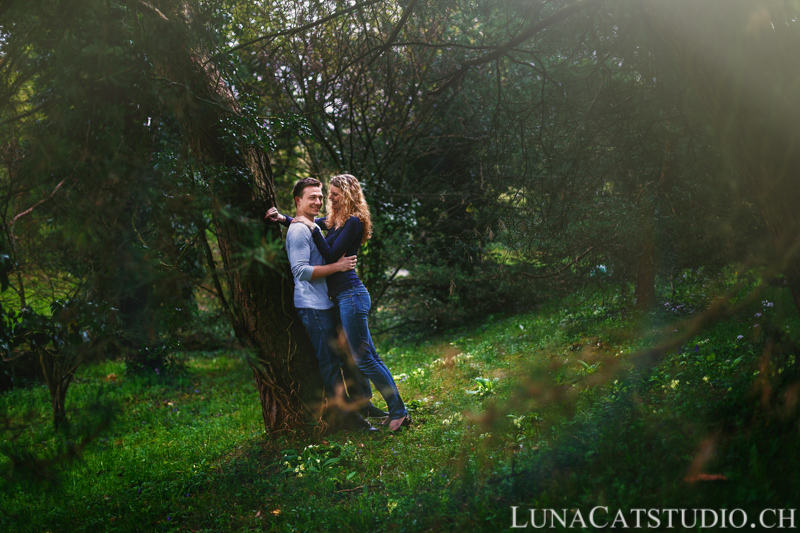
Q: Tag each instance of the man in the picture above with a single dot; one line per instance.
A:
(311, 301)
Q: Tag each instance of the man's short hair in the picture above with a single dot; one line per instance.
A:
(301, 184)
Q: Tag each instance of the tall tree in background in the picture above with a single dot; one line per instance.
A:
(612, 162)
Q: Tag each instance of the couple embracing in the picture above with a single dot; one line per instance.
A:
(328, 292)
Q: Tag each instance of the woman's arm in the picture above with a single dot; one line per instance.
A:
(274, 216)
(350, 235)
(321, 222)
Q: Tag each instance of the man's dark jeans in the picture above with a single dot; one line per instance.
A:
(321, 327)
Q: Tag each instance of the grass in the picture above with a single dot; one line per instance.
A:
(550, 409)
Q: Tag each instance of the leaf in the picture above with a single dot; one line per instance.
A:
(331, 461)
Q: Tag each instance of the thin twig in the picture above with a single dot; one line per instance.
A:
(531, 276)
(37, 204)
(296, 30)
(357, 488)
(503, 49)
(403, 19)
(26, 113)
(212, 269)
(155, 9)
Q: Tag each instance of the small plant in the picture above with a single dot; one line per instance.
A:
(317, 459)
(157, 359)
(451, 420)
(486, 387)
(589, 369)
(417, 404)
(74, 332)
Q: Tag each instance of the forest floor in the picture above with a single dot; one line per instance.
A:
(578, 406)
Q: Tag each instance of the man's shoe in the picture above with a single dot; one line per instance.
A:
(370, 411)
(359, 423)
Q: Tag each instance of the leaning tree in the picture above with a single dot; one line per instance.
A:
(132, 141)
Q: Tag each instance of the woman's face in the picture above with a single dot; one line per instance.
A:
(335, 197)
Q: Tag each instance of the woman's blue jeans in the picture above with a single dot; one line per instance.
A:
(354, 305)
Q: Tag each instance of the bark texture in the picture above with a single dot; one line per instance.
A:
(239, 174)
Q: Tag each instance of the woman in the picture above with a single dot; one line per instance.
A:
(349, 225)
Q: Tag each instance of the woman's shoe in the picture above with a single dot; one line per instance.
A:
(398, 424)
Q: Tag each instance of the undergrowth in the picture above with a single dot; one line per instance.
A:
(576, 405)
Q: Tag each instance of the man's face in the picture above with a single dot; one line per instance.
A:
(311, 201)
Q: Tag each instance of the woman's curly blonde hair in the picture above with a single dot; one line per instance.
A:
(351, 203)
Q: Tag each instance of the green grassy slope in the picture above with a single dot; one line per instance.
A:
(552, 409)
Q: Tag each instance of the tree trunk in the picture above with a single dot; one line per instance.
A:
(58, 397)
(260, 296)
(57, 384)
(646, 275)
(741, 57)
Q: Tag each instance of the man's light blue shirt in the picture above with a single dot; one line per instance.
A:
(303, 257)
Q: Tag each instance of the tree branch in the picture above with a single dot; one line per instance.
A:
(154, 9)
(37, 204)
(26, 113)
(212, 269)
(553, 274)
(403, 19)
(503, 49)
(296, 30)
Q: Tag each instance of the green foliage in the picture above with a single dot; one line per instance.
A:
(165, 443)
(159, 359)
(73, 333)
(323, 460)
(187, 451)
(68, 326)
(112, 218)
(486, 387)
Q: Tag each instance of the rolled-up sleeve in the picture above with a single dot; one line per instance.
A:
(298, 247)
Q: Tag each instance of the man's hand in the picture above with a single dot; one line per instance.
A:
(273, 215)
(346, 263)
(303, 220)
